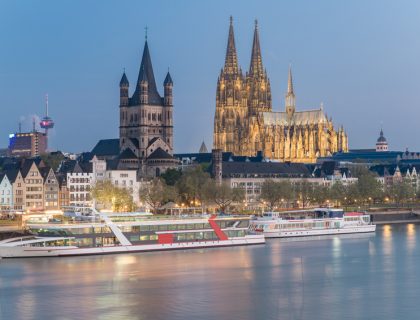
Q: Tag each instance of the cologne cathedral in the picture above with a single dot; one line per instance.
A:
(244, 122)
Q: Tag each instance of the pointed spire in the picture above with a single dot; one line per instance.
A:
(124, 80)
(168, 79)
(203, 148)
(146, 74)
(290, 82)
(231, 60)
(256, 66)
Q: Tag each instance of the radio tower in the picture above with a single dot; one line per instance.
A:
(46, 122)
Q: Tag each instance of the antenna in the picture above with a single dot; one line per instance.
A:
(46, 104)
(20, 127)
(33, 124)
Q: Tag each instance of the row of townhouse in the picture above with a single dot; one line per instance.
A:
(32, 186)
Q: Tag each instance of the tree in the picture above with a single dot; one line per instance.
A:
(53, 160)
(113, 197)
(190, 185)
(171, 176)
(156, 193)
(368, 188)
(304, 192)
(274, 192)
(401, 191)
(223, 195)
(338, 192)
(320, 194)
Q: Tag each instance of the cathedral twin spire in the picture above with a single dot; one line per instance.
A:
(231, 61)
(256, 66)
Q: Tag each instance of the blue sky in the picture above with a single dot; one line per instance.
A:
(360, 58)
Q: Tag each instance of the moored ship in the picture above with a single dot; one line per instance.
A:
(103, 233)
(312, 222)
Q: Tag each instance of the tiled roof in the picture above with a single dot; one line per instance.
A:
(107, 147)
(127, 154)
(265, 169)
(159, 153)
(146, 74)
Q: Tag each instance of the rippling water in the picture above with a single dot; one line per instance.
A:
(342, 277)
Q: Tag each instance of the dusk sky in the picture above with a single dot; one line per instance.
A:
(360, 58)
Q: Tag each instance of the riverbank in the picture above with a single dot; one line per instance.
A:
(394, 217)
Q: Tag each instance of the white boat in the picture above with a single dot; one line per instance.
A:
(104, 233)
(313, 222)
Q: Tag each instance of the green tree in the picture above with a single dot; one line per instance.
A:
(156, 193)
(190, 186)
(113, 197)
(52, 160)
(171, 176)
(369, 188)
(338, 192)
(401, 191)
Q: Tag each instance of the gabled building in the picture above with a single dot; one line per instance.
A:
(51, 189)
(34, 184)
(79, 177)
(6, 193)
(18, 189)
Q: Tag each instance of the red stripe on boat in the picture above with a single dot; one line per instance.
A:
(220, 234)
(164, 238)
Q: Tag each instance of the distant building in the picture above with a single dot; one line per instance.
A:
(245, 123)
(381, 143)
(79, 177)
(6, 193)
(203, 148)
(28, 144)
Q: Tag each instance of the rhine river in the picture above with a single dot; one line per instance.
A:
(343, 277)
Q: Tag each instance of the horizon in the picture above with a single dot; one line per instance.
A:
(357, 69)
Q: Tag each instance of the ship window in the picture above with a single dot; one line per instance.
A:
(153, 237)
(144, 238)
(172, 227)
(154, 228)
(190, 226)
(180, 236)
(198, 226)
(163, 227)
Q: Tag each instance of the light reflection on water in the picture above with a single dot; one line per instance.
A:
(345, 277)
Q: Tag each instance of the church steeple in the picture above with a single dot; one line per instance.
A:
(256, 67)
(146, 75)
(290, 95)
(231, 60)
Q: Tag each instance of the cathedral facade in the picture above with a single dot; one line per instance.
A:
(245, 123)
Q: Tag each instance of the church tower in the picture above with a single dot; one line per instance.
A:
(258, 84)
(231, 108)
(146, 118)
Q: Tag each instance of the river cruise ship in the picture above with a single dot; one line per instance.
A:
(104, 233)
(313, 222)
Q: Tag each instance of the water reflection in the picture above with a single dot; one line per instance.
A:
(370, 277)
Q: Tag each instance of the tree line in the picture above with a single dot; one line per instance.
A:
(195, 188)
(191, 188)
(366, 191)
